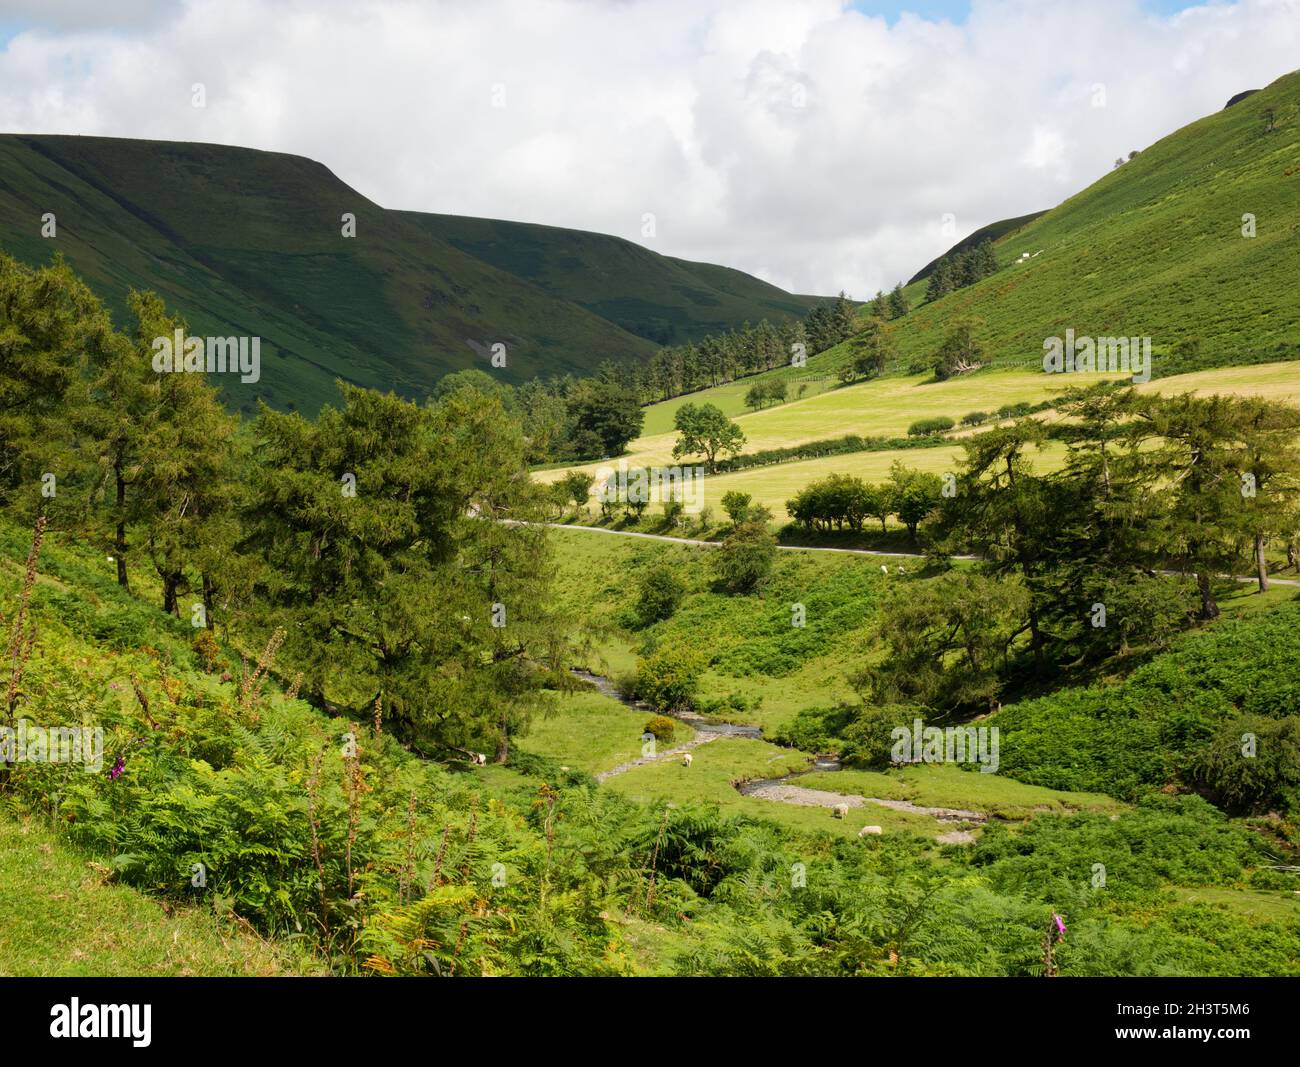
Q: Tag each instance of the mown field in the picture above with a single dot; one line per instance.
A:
(886, 407)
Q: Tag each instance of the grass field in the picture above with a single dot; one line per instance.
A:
(593, 733)
(887, 406)
(62, 918)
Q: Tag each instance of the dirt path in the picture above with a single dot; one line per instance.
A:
(822, 798)
(702, 737)
(715, 544)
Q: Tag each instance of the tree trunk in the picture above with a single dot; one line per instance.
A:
(1209, 609)
(209, 595)
(119, 541)
(169, 594)
(1261, 565)
(503, 745)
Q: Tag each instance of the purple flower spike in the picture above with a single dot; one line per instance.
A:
(117, 768)
(1060, 923)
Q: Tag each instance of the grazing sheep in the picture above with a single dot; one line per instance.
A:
(866, 830)
(840, 811)
(478, 759)
(686, 759)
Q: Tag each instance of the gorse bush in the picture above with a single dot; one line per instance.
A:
(661, 727)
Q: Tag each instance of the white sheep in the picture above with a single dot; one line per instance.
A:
(866, 830)
(686, 759)
(840, 811)
(478, 759)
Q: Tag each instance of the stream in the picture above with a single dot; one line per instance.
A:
(781, 789)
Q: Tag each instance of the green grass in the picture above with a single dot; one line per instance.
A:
(61, 918)
(591, 732)
(947, 786)
(719, 764)
(1275, 906)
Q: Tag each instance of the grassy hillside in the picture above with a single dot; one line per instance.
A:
(64, 917)
(991, 232)
(1190, 890)
(249, 243)
(1156, 249)
(665, 300)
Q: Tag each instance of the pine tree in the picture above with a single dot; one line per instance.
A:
(842, 318)
(940, 281)
(898, 302)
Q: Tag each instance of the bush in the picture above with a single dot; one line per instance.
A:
(746, 557)
(660, 592)
(661, 727)
(206, 650)
(668, 679)
(926, 427)
(817, 729)
(736, 505)
(1252, 764)
(869, 740)
(975, 418)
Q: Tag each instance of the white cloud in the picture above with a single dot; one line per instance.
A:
(805, 142)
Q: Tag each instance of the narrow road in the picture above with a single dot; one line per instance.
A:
(844, 551)
(716, 544)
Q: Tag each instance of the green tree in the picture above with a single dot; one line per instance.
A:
(745, 557)
(659, 592)
(577, 487)
(1195, 517)
(898, 306)
(913, 495)
(961, 351)
(50, 322)
(706, 431)
(604, 412)
(1269, 472)
(391, 571)
(940, 281)
(947, 640)
(736, 505)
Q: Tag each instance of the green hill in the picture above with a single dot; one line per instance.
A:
(665, 300)
(1154, 249)
(249, 242)
(991, 232)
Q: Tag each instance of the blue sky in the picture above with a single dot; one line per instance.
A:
(957, 10)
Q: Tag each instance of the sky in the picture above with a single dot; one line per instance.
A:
(822, 145)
